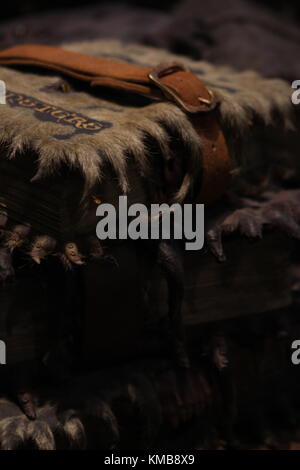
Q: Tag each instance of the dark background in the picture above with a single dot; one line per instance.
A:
(15, 8)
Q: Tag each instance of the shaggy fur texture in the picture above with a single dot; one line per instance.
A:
(103, 410)
(245, 97)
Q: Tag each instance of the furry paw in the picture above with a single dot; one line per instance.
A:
(246, 222)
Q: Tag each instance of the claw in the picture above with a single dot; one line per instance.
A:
(279, 209)
(245, 221)
(214, 239)
(219, 353)
(26, 402)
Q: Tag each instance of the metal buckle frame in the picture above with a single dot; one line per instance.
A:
(165, 69)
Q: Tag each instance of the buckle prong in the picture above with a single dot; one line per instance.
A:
(166, 69)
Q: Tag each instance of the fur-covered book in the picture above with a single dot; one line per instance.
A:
(66, 148)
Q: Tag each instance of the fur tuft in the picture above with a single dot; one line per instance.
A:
(244, 98)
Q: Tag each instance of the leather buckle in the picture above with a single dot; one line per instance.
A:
(205, 105)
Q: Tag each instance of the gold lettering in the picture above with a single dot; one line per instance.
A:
(59, 114)
(45, 108)
(18, 98)
(27, 103)
(93, 126)
(77, 121)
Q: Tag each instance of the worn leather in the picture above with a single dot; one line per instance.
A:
(135, 78)
(216, 163)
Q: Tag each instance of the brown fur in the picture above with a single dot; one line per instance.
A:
(243, 97)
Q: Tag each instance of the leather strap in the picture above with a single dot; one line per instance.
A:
(172, 82)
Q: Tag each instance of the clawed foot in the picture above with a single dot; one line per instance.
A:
(26, 402)
(244, 221)
(219, 353)
(278, 210)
